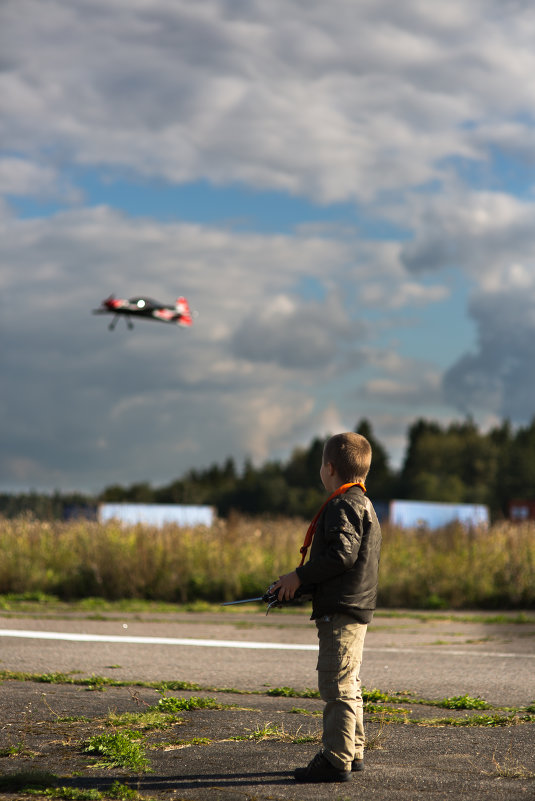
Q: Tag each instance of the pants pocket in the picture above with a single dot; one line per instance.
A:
(340, 643)
(335, 652)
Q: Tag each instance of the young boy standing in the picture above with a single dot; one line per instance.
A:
(343, 571)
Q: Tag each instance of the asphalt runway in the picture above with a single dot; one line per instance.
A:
(430, 657)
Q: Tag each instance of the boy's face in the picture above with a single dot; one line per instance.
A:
(327, 475)
(322, 473)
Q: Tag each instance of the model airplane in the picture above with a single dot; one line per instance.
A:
(145, 307)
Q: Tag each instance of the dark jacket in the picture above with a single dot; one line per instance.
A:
(344, 558)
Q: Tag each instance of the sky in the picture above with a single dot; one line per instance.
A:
(344, 192)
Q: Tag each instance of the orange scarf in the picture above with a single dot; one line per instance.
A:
(312, 527)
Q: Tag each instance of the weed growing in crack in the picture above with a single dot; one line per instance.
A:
(173, 704)
(463, 702)
(513, 719)
(374, 740)
(511, 768)
(166, 746)
(167, 686)
(375, 696)
(18, 749)
(118, 749)
(71, 793)
(122, 792)
(508, 767)
(146, 721)
(289, 692)
(271, 731)
(387, 715)
(297, 710)
(300, 739)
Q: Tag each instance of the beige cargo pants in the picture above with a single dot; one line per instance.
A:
(341, 640)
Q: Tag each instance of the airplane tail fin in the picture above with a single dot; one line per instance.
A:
(182, 307)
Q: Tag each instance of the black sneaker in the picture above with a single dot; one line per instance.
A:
(321, 770)
(357, 764)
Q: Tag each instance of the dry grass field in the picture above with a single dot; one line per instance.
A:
(450, 568)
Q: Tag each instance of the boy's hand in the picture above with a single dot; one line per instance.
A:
(287, 586)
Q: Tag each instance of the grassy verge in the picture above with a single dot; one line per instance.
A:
(373, 699)
(451, 568)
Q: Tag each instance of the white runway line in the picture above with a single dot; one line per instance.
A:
(277, 646)
(125, 638)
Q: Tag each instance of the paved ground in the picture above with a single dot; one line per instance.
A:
(405, 760)
(432, 655)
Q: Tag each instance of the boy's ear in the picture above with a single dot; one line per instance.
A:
(330, 469)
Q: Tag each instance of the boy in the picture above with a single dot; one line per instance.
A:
(343, 571)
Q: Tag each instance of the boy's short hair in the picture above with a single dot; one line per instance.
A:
(350, 454)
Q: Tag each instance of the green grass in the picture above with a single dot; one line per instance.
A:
(13, 750)
(167, 686)
(297, 710)
(483, 618)
(375, 696)
(14, 605)
(173, 705)
(463, 702)
(289, 692)
(368, 696)
(98, 682)
(392, 711)
(170, 705)
(71, 793)
(48, 785)
(117, 791)
(123, 747)
(118, 749)
(492, 720)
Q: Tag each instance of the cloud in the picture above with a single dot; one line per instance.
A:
(426, 387)
(498, 377)
(410, 293)
(293, 335)
(21, 177)
(481, 233)
(490, 237)
(85, 402)
(256, 372)
(402, 110)
(327, 102)
(402, 378)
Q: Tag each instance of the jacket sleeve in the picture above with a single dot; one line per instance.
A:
(342, 535)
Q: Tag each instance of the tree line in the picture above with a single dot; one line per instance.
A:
(456, 463)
